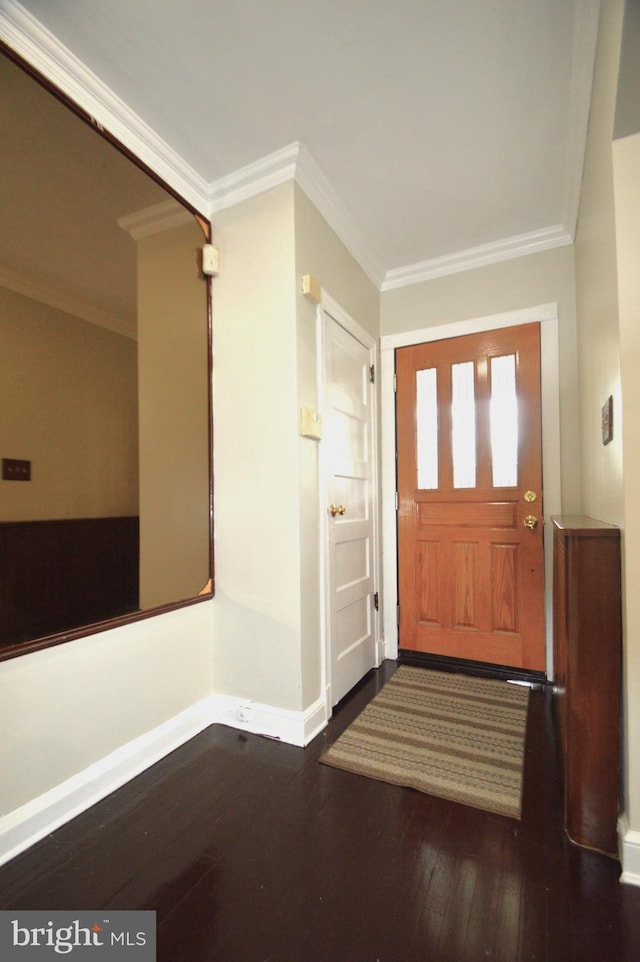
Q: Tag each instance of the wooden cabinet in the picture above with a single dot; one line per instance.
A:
(587, 675)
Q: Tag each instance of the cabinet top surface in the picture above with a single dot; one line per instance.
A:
(581, 524)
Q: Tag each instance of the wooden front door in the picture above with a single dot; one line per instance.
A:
(470, 531)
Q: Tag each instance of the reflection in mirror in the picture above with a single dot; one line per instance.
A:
(104, 380)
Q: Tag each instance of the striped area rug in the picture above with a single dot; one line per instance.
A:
(454, 736)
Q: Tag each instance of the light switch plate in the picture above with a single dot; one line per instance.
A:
(310, 424)
(15, 469)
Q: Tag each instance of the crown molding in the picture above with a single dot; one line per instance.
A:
(20, 30)
(155, 219)
(586, 18)
(61, 301)
(503, 250)
(253, 179)
(295, 162)
(318, 189)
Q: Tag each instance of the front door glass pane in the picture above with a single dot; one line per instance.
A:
(427, 428)
(504, 422)
(463, 424)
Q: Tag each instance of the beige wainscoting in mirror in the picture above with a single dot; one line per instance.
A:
(105, 358)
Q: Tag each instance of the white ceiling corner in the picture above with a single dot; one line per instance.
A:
(40, 48)
(585, 36)
(327, 175)
(295, 162)
(320, 192)
(255, 178)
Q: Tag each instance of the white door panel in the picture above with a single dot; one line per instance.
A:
(348, 440)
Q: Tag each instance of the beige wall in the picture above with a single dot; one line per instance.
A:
(608, 298)
(256, 503)
(267, 620)
(626, 161)
(68, 707)
(68, 403)
(173, 401)
(596, 285)
(320, 253)
(511, 285)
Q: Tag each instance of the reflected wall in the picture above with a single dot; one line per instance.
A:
(105, 365)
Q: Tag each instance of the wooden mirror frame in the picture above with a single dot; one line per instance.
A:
(37, 644)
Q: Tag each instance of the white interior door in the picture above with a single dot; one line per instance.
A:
(349, 453)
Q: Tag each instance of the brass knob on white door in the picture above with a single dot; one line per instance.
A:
(335, 509)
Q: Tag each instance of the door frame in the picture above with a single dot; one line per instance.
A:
(547, 315)
(329, 306)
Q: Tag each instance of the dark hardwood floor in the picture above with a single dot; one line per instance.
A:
(250, 851)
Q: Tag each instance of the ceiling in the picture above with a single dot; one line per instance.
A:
(444, 133)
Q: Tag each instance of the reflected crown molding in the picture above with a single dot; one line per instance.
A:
(155, 220)
(61, 301)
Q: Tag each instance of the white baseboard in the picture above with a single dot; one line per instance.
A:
(629, 846)
(293, 727)
(42, 815)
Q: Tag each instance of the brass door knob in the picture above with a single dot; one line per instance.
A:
(531, 521)
(335, 509)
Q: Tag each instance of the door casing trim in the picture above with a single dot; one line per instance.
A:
(547, 315)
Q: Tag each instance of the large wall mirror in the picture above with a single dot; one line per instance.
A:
(105, 364)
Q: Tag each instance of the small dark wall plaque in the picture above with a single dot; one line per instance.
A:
(607, 420)
(14, 469)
